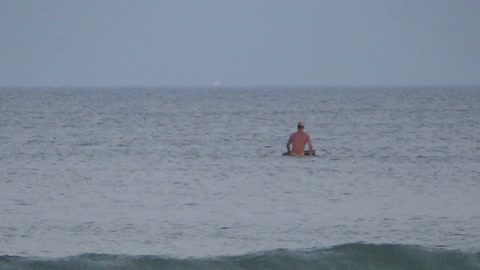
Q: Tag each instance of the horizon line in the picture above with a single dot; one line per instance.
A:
(242, 86)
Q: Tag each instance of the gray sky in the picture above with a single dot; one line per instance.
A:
(239, 42)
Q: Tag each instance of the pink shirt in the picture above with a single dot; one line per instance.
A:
(299, 139)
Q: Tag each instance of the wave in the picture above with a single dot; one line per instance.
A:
(356, 256)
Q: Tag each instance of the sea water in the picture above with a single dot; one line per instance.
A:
(193, 178)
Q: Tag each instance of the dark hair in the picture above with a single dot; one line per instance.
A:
(300, 126)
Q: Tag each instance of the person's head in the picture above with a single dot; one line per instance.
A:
(300, 125)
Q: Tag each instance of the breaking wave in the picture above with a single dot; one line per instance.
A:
(348, 256)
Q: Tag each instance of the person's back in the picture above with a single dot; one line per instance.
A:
(298, 140)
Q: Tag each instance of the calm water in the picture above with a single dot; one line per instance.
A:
(199, 172)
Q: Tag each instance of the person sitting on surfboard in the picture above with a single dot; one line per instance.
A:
(298, 140)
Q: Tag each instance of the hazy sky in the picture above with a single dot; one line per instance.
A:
(239, 42)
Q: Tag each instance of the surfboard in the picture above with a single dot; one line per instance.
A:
(305, 153)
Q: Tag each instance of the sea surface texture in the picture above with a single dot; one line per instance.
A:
(194, 178)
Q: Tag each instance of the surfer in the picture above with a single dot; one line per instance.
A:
(298, 140)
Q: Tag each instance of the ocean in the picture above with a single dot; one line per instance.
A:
(194, 178)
